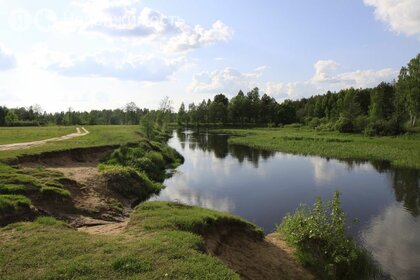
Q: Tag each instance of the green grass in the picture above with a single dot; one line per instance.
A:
(155, 245)
(100, 135)
(11, 135)
(20, 188)
(12, 203)
(402, 151)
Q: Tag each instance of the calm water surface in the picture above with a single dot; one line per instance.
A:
(263, 186)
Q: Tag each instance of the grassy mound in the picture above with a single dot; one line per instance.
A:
(20, 189)
(157, 246)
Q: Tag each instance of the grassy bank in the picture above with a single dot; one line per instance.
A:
(11, 135)
(402, 151)
(100, 135)
(162, 241)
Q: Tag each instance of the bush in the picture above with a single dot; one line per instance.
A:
(318, 233)
(344, 125)
(314, 122)
(156, 158)
(360, 123)
(382, 128)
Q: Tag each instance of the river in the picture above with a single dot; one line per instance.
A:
(263, 187)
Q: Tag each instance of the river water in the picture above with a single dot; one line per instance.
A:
(263, 187)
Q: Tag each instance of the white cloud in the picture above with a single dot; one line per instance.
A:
(323, 70)
(123, 20)
(117, 64)
(228, 81)
(326, 78)
(403, 16)
(7, 59)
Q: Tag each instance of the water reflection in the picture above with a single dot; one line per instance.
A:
(393, 238)
(263, 186)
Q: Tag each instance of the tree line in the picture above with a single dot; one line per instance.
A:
(35, 116)
(386, 109)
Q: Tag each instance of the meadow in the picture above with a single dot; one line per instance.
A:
(162, 241)
(11, 135)
(400, 151)
(100, 135)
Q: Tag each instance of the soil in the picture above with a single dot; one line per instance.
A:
(253, 258)
(93, 207)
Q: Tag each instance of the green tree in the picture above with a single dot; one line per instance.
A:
(181, 117)
(147, 125)
(408, 87)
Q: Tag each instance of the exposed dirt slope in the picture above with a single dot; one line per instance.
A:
(252, 258)
(93, 206)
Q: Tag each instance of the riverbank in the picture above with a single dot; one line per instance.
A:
(67, 214)
(400, 151)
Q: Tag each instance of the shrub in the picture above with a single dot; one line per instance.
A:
(382, 128)
(156, 158)
(318, 233)
(314, 122)
(344, 125)
(360, 123)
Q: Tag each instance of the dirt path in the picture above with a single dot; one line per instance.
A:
(20, 146)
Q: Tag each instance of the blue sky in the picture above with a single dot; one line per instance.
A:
(105, 53)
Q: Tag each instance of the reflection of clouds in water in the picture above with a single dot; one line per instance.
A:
(324, 171)
(394, 240)
(327, 171)
(188, 196)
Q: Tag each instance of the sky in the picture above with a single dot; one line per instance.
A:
(102, 54)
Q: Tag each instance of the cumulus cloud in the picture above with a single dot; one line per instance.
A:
(228, 80)
(402, 16)
(326, 78)
(7, 59)
(122, 19)
(115, 64)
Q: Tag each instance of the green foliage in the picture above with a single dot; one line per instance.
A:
(344, 125)
(147, 125)
(319, 234)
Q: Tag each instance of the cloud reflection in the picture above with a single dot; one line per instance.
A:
(393, 237)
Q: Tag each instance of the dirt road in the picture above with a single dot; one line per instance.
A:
(20, 146)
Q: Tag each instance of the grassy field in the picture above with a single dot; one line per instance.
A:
(402, 151)
(99, 136)
(11, 135)
(162, 241)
